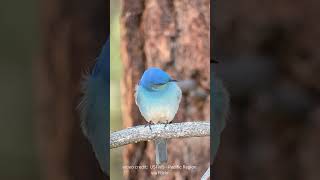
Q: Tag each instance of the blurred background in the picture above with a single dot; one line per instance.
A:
(46, 49)
(115, 94)
(18, 44)
(269, 61)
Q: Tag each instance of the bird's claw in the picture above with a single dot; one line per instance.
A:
(167, 123)
(148, 124)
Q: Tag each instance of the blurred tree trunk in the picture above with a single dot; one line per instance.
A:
(173, 35)
(72, 34)
(271, 68)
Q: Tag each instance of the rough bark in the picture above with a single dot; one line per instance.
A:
(72, 33)
(173, 35)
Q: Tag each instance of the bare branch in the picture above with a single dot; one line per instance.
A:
(169, 131)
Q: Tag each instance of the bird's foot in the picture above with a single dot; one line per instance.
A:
(148, 124)
(167, 123)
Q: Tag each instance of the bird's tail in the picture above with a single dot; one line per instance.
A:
(161, 151)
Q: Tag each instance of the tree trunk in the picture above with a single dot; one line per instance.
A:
(72, 34)
(173, 35)
(270, 63)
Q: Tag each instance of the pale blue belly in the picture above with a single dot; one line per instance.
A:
(159, 106)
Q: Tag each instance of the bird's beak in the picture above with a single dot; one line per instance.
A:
(173, 80)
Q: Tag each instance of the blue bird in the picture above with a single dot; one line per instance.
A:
(94, 107)
(158, 97)
(220, 109)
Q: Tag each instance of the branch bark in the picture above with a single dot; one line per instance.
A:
(145, 133)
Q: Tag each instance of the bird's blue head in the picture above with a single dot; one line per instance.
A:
(154, 79)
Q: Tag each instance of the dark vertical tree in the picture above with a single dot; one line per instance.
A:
(173, 35)
(72, 34)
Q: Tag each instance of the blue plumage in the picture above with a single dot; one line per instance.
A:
(95, 107)
(154, 76)
(219, 109)
(158, 98)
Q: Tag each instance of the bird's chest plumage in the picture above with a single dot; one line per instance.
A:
(158, 106)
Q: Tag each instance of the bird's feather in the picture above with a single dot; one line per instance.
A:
(94, 107)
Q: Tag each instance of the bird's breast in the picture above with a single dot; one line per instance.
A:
(158, 106)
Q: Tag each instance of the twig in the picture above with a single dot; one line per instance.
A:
(169, 131)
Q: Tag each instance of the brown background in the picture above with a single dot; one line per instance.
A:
(72, 34)
(269, 53)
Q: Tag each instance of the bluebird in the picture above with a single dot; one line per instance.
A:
(158, 97)
(219, 109)
(94, 107)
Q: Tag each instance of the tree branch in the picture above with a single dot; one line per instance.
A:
(169, 131)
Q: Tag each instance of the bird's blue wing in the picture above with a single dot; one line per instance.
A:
(95, 107)
(219, 109)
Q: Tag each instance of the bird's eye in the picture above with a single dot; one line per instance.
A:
(158, 86)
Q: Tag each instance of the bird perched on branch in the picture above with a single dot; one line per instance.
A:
(94, 107)
(158, 97)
